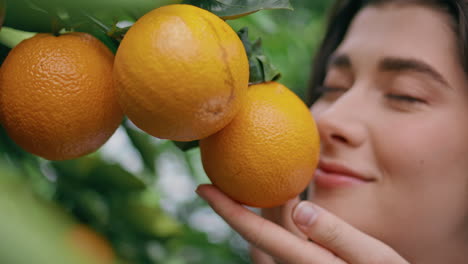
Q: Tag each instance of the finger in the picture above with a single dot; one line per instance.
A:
(259, 257)
(341, 238)
(271, 238)
(281, 215)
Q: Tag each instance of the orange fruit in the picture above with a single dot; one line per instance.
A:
(91, 245)
(268, 153)
(57, 98)
(181, 73)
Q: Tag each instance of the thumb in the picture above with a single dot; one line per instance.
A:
(281, 215)
(340, 237)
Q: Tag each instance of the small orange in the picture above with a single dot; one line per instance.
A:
(181, 73)
(91, 245)
(57, 98)
(268, 153)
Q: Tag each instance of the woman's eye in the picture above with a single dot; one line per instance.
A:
(405, 98)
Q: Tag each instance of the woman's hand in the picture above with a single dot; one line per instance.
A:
(280, 215)
(334, 241)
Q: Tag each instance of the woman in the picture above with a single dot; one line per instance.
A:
(391, 102)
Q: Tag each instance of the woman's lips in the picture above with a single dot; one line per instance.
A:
(333, 176)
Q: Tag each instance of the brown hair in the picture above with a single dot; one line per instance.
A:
(344, 11)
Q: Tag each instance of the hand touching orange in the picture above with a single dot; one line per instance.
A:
(334, 241)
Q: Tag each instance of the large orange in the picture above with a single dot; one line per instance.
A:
(91, 245)
(181, 73)
(268, 153)
(57, 98)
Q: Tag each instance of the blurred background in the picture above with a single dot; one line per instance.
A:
(133, 201)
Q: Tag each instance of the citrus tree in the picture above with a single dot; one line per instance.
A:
(131, 200)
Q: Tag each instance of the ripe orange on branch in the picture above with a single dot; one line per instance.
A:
(268, 153)
(181, 73)
(57, 98)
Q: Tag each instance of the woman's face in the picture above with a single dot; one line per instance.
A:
(393, 122)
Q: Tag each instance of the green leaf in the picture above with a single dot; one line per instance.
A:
(95, 173)
(143, 213)
(232, 9)
(193, 157)
(2, 12)
(91, 205)
(143, 144)
(11, 37)
(186, 145)
(52, 15)
(109, 5)
(270, 72)
(261, 68)
(25, 15)
(114, 177)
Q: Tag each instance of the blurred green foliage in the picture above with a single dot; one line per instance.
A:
(138, 191)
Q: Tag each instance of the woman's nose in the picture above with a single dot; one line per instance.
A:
(342, 121)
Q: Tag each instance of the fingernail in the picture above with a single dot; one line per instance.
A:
(199, 192)
(304, 214)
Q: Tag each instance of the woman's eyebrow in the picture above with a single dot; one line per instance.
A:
(396, 64)
(339, 60)
(392, 64)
